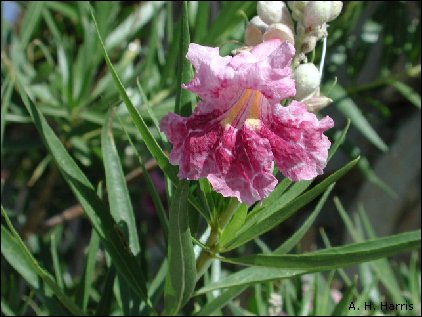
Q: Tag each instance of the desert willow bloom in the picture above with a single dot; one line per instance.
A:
(240, 129)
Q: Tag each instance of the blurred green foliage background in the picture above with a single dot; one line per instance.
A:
(372, 73)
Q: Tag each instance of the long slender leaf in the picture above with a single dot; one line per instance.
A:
(94, 208)
(408, 93)
(298, 235)
(133, 23)
(56, 263)
(149, 139)
(350, 110)
(253, 275)
(229, 20)
(106, 300)
(183, 105)
(343, 305)
(339, 141)
(151, 188)
(202, 19)
(20, 258)
(238, 219)
(220, 301)
(118, 194)
(5, 102)
(281, 214)
(82, 296)
(336, 257)
(31, 20)
(181, 276)
(250, 277)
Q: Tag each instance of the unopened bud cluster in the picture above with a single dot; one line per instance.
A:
(273, 21)
(302, 26)
(312, 18)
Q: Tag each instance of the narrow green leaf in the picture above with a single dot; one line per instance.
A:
(106, 300)
(19, 257)
(65, 9)
(154, 119)
(333, 258)
(149, 139)
(52, 25)
(133, 23)
(233, 227)
(220, 301)
(7, 88)
(87, 280)
(94, 208)
(56, 263)
(343, 305)
(298, 235)
(183, 103)
(278, 215)
(181, 277)
(202, 20)
(382, 267)
(268, 209)
(278, 191)
(31, 20)
(350, 110)
(408, 93)
(151, 187)
(370, 175)
(118, 194)
(414, 279)
(251, 276)
(6, 309)
(339, 141)
(229, 20)
(259, 301)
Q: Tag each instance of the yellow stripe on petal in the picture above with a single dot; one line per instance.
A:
(237, 107)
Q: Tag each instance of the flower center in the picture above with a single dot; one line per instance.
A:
(246, 109)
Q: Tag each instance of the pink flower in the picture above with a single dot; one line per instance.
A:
(240, 129)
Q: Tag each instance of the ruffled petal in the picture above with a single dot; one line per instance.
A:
(213, 77)
(247, 172)
(267, 68)
(298, 144)
(239, 129)
(219, 80)
(194, 141)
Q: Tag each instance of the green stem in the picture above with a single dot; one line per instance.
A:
(207, 255)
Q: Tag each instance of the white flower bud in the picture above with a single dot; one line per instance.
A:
(320, 12)
(274, 12)
(316, 103)
(307, 78)
(297, 5)
(297, 8)
(254, 31)
(279, 31)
